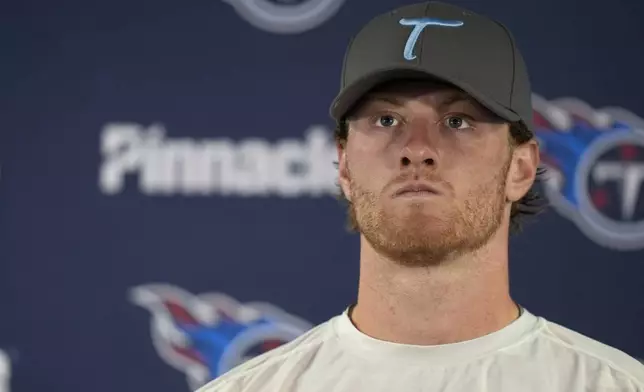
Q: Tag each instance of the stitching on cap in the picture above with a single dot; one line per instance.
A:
(422, 38)
(514, 60)
(344, 62)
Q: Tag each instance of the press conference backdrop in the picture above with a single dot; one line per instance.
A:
(167, 184)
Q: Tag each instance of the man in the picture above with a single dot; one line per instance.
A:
(436, 159)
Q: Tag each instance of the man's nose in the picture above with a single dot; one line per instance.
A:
(419, 148)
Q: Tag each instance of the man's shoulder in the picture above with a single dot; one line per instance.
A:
(260, 368)
(596, 352)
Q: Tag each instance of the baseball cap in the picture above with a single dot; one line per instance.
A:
(438, 41)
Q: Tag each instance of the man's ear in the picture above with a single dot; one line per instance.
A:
(344, 179)
(523, 170)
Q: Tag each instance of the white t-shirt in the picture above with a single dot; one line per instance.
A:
(529, 355)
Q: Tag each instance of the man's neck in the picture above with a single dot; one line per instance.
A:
(457, 301)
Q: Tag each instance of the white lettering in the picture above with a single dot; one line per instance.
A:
(5, 372)
(250, 167)
(321, 155)
(158, 163)
(253, 167)
(290, 168)
(207, 167)
(120, 145)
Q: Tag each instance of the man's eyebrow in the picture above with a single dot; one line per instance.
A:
(370, 99)
(449, 100)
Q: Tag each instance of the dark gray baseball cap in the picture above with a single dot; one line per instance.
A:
(438, 41)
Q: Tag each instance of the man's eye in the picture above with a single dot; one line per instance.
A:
(457, 122)
(386, 121)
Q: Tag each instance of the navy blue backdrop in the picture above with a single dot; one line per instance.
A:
(166, 177)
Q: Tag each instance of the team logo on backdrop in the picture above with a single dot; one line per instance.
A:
(286, 16)
(206, 335)
(144, 156)
(596, 164)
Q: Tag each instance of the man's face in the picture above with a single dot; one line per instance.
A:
(454, 156)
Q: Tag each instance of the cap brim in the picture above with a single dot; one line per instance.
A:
(350, 95)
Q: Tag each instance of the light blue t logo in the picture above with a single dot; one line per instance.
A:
(419, 25)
